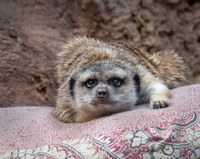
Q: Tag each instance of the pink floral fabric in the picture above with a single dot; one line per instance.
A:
(171, 133)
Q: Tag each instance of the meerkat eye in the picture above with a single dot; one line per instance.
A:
(116, 82)
(91, 83)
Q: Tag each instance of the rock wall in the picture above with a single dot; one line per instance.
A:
(31, 33)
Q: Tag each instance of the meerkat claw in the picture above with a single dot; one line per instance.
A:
(159, 105)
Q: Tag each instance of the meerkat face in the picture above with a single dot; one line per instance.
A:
(104, 88)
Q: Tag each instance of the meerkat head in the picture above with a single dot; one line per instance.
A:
(104, 87)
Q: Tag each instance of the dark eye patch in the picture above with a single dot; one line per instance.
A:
(136, 78)
(71, 86)
(116, 82)
(91, 83)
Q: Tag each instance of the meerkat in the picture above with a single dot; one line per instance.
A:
(97, 78)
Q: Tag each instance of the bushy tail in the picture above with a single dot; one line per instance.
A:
(172, 69)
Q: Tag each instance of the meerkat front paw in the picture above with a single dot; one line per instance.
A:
(159, 105)
(67, 115)
(84, 117)
(159, 101)
(70, 116)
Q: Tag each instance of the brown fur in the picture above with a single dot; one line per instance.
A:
(157, 73)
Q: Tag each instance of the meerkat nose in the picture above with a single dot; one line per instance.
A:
(102, 93)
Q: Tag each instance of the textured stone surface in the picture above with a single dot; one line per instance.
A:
(31, 32)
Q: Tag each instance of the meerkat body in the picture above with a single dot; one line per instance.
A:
(96, 78)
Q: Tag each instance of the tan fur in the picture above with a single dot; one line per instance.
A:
(157, 73)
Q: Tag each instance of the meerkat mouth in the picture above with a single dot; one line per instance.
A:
(103, 102)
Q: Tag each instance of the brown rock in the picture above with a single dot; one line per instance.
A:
(31, 32)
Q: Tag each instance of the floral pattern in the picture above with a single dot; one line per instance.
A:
(163, 152)
(169, 134)
(144, 143)
(137, 139)
(193, 137)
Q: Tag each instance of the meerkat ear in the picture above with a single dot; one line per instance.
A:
(71, 86)
(136, 79)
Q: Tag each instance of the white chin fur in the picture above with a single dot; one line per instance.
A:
(119, 103)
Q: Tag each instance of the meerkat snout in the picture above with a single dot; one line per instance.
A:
(102, 93)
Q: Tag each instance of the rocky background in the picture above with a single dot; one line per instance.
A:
(32, 31)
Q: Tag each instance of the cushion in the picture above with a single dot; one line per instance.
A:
(173, 132)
